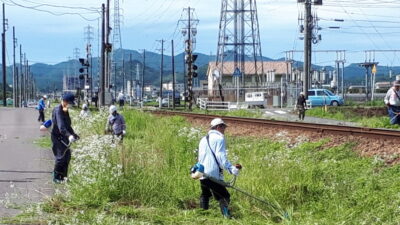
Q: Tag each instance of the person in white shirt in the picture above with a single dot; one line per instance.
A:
(212, 155)
(392, 101)
(121, 99)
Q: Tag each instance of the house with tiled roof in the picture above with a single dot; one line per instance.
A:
(265, 73)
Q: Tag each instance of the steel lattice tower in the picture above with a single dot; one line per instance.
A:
(116, 44)
(239, 38)
(117, 40)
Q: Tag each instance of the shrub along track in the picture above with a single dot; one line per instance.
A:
(381, 143)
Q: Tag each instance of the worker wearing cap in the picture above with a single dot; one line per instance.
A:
(301, 105)
(41, 107)
(212, 155)
(116, 123)
(62, 135)
(392, 101)
(85, 111)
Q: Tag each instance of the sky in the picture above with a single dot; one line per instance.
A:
(50, 30)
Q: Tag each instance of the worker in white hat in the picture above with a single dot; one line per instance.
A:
(301, 105)
(212, 155)
(392, 101)
(85, 112)
(116, 123)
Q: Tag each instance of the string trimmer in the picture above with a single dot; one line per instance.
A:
(197, 172)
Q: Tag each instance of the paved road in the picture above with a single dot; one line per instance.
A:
(286, 115)
(25, 169)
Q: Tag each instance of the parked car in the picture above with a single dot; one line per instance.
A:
(256, 99)
(319, 97)
(9, 102)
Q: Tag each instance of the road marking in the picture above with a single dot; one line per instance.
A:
(280, 112)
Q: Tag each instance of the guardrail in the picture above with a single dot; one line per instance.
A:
(204, 104)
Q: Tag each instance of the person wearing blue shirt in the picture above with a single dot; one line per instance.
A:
(212, 155)
(62, 135)
(41, 107)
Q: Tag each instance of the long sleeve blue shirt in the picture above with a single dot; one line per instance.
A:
(206, 158)
(41, 104)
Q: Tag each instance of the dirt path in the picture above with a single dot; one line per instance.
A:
(25, 169)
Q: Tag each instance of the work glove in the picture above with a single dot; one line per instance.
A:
(76, 137)
(71, 138)
(124, 132)
(235, 171)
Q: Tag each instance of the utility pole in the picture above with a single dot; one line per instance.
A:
(108, 47)
(131, 72)
(189, 52)
(123, 75)
(310, 30)
(21, 94)
(184, 79)
(103, 62)
(191, 31)
(26, 78)
(161, 73)
(3, 37)
(143, 73)
(15, 76)
(307, 46)
(173, 74)
(115, 80)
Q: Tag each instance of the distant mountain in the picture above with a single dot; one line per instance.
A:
(49, 77)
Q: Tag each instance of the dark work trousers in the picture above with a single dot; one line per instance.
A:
(220, 193)
(120, 136)
(394, 114)
(62, 157)
(302, 112)
(41, 115)
(121, 103)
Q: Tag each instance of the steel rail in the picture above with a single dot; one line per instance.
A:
(320, 128)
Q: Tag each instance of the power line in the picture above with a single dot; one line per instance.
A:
(90, 9)
(7, 2)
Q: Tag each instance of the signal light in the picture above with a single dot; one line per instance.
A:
(194, 57)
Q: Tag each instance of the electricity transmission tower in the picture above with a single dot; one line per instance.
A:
(239, 40)
(89, 32)
(116, 41)
(189, 31)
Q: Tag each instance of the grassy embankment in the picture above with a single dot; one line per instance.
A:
(146, 180)
(351, 113)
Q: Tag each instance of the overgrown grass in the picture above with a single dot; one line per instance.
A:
(348, 115)
(374, 103)
(43, 142)
(237, 113)
(146, 180)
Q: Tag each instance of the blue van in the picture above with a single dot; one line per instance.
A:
(319, 97)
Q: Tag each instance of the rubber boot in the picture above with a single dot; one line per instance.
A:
(204, 203)
(224, 206)
(57, 178)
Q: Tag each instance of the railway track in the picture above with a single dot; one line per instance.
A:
(320, 128)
